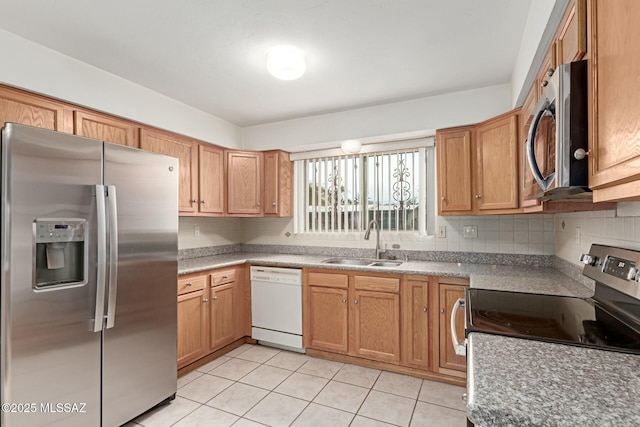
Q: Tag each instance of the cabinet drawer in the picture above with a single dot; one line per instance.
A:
(191, 284)
(223, 276)
(329, 280)
(373, 283)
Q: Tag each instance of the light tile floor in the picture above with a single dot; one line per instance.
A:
(257, 386)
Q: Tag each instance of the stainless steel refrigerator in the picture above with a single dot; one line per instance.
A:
(88, 285)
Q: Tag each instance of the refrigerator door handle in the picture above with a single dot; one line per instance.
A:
(113, 256)
(102, 258)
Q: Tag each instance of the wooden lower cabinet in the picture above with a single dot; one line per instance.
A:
(212, 312)
(449, 291)
(193, 327)
(416, 329)
(327, 310)
(376, 325)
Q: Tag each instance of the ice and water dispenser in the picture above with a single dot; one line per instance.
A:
(61, 253)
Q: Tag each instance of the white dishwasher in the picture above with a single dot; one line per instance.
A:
(276, 307)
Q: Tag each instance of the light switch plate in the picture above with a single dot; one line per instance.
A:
(470, 232)
(442, 232)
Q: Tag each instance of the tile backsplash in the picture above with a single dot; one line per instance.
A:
(575, 232)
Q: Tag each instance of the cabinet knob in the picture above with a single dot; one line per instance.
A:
(258, 203)
(225, 276)
(442, 311)
(544, 83)
(550, 72)
(424, 309)
(478, 196)
(215, 297)
(273, 204)
(202, 201)
(194, 201)
(443, 198)
(344, 300)
(205, 300)
(189, 284)
(355, 302)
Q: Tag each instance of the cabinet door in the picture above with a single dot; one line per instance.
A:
(497, 164)
(222, 319)
(278, 184)
(416, 331)
(454, 164)
(327, 323)
(211, 185)
(105, 128)
(614, 122)
(449, 294)
(244, 183)
(193, 327)
(31, 110)
(185, 150)
(572, 35)
(376, 325)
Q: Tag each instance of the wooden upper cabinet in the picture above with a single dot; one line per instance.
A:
(454, 160)
(497, 175)
(571, 44)
(278, 184)
(614, 119)
(548, 67)
(21, 107)
(244, 183)
(105, 128)
(211, 184)
(529, 186)
(186, 151)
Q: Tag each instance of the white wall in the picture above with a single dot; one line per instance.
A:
(33, 67)
(452, 109)
(620, 227)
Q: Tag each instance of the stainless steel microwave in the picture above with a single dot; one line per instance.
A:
(557, 143)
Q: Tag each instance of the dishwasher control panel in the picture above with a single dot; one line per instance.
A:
(288, 276)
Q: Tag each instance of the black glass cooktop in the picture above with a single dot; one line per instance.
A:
(550, 318)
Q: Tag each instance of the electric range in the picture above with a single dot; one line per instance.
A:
(609, 320)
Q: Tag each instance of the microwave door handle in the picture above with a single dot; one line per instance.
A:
(102, 258)
(460, 348)
(113, 256)
(531, 152)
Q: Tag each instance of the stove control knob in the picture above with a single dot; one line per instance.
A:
(632, 274)
(588, 259)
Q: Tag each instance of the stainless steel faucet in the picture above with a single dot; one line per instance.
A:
(374, 223)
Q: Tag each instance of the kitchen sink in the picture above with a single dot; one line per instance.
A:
(347, 261)
(385, 264)
(362, 262)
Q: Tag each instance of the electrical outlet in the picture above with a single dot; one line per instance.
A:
(196, 231)
(470, 232)
(442, 231)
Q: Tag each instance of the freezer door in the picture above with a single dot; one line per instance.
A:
(139, 349)
(49, 354)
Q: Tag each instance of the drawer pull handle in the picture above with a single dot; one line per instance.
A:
(205, 300)
(225, 277)
(189, 284)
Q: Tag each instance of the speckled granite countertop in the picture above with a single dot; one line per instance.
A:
(500, 277)
(518, 382)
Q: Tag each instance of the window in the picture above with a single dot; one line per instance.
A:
(344, 193)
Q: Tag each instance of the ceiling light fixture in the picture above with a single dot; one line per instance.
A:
(286, 62)
(351, 146)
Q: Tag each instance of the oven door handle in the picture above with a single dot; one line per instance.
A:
(460, 348)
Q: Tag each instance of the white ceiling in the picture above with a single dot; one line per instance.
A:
(210, 53)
